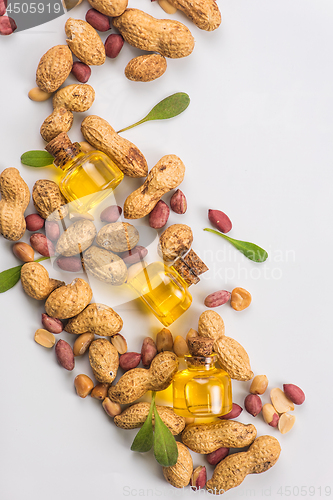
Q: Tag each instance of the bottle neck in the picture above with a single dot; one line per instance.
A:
(204, 363)
(62, 149)
(65, 158)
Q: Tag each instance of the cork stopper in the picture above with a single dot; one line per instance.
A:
(63, 149)
(185, 272)
(190, 267)
(193, 261)
(200, 346)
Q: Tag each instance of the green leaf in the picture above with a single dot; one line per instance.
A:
(250, 250)
(167, 108)
(11, 276)
(37, 158)
(143, 441)
(165, 446)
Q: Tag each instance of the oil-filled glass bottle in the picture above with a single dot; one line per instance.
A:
(88, 177)
(164, 288)
(163, 291)
(201, 390)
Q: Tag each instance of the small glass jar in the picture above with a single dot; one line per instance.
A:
(88, 178)
(202, 389)
(162, 289)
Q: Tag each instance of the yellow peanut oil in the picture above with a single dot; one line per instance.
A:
(202, 390)
(88, 179)
(163, 291)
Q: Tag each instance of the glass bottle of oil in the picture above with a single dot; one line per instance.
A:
(163, 291)
(88, 177)
(201, 390)
(163, 288)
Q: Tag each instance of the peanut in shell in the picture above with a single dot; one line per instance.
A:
(104, 360)
(53, 68)
(232, 471)
(134, 416)
(69, 300)
(146, 68)
(205, 438)
(167, 174)
(167, 37)
(99, 133)
(96, 318)
(85, 42)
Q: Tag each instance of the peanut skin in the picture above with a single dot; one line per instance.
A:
(231, 472)
(135, 383)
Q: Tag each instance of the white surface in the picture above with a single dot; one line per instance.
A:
(257, 144)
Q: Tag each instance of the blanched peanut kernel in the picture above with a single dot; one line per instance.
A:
(111, 408)
(100, 391)
(38, 95)
(259, 384)
(286, 422)
(280, 401)
(86, 147)
(191, 334)
(167, 7)
(44, 338)
(82, 343)
(83, 385)
(119, 342)
(180, 347)
(240, 299)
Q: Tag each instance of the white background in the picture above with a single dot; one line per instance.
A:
(257, 143)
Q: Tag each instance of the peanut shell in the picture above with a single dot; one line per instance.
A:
(96, 318)
(85, 42)
(205, 438)
(203, 13)
(125, 154)
(118, 237)
(179, 475)
(108, 8)
(167, 37)
(105, 266)
(61, 120)
(74, 97)
(231, 355)
(134, 416)
(69, 300)
(36, 282)
(146, 68)
(53, 68)
(135, 383)
(48, 200)
(15, 197)
(77, 238)
(231, 472)
(175, 241)
(104, 360)
(167, 174)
